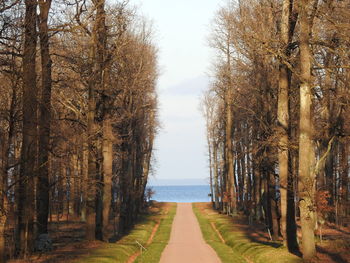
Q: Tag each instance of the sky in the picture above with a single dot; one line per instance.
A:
(181, 31)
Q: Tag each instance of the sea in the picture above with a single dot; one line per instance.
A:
(181, 193)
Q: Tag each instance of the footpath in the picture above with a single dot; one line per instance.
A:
(186, 243)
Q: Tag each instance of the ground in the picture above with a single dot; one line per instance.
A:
(186, 243)
(335, 246)
(68, 239)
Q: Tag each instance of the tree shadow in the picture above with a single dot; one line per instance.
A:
(337, 228)
(336, 257)
(258, 233)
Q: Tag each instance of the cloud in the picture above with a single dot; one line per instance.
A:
(181, 144)
(184, 57)
(192, 86)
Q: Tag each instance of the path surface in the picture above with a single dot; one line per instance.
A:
(186, 243)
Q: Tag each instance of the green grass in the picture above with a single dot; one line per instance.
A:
(122, 250)
(225, 252)
(240, 244)
(160, 240)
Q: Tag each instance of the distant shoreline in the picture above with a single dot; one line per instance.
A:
(177, 185)
(177, 182)
(181, 193)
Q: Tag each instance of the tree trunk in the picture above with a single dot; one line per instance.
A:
(329, 168)
(210, 168)
(149, 150)
(3, 217)
(44, 121)
(107, 174)
(306, 146)
(292, 194)
(99, 189)
(3, 195)
(75, 207)
(72, 183)
(286, 180)
(344, 177)
(84, 180)
(92, 171)
(229, 151)
(249, 194)
(216, 175)
(94, 202)
(229, 165)
(272, 204)
(325, 176)
(257, 190)
(26, 202)
(7, 142)
(60, 187)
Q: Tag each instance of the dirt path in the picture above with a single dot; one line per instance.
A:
(186, 243)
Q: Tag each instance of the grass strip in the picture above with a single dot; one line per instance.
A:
(225, 252)
(241, 245)
(160, 240)
(123, 249)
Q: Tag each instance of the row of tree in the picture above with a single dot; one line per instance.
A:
(277, 130)
(78, 116)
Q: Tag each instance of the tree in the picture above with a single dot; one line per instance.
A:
(97, 77)
(307, 177)
(26, 201)
(44, 120)
(286, 182)
(288, 73)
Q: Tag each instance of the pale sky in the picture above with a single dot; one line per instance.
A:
(182, 28)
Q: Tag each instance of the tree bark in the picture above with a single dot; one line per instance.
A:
(216, 174)
(84, 179)
(210, 167)
(73, 183)
(92, 171)
(99, 187)
(306, 145)
(272, 204)
(26, 199)
(344, 177)
(3, 218)
(286, 180)
(107, 149)
(230, 188)
(44, 121)
(3, 194)
(4, 204)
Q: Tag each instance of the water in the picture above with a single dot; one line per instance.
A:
(181, 193)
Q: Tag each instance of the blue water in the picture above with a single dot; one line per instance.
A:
(181, 193)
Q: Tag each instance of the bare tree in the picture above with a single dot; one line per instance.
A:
(45, 120)
(26, 200)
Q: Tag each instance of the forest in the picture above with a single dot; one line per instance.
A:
(78, 118)
(277, 115)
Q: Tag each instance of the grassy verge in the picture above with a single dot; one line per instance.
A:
(160, 240)
(242, 246)
(225, 252)
(122, 250)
